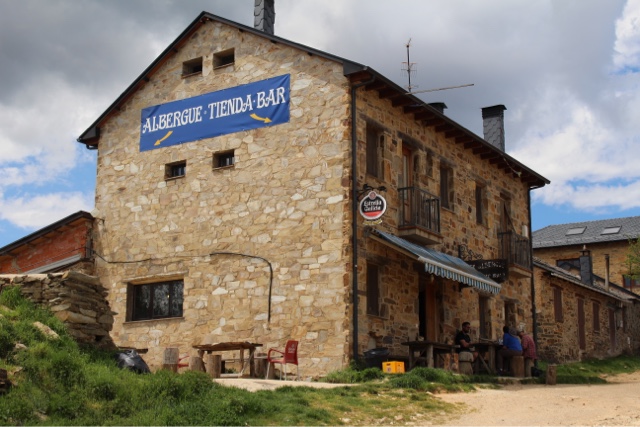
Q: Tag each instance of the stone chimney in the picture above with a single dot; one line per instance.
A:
(440, 106)
(586, 268)
(264, 15)
(493, 125)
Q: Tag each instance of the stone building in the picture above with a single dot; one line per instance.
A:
(62, 246)
(230, 181)
(607, 241)
(591, 255)
(580, 319)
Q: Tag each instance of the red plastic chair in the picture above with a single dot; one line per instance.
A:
(288, 356)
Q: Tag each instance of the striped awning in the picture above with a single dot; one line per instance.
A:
(440, 264)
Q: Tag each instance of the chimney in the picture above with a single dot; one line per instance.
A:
(264, 15)
(586, 268)
(440, 106)
(493, 125)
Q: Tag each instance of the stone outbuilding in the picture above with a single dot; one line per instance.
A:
(250, 188)
(581, 319)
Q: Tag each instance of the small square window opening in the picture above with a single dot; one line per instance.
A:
(175, 170)
(191, 67)
(224, 58)
(223, 160)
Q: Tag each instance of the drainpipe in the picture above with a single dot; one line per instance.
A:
(354, 213)
(534, 315)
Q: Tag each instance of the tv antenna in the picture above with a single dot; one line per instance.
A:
(411, 67)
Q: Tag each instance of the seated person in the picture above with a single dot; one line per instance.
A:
(510, 347)
(463, 340)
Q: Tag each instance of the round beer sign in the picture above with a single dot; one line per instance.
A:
(373, 206)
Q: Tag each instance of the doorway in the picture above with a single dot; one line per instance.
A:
(428, 308)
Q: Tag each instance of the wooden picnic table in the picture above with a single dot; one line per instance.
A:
(428, 349)
(233, 346)
(487, 350)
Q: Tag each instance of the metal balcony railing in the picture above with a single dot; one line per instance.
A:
(515, 249)
(418, 208)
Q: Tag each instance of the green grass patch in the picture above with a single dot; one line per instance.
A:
(58, 382)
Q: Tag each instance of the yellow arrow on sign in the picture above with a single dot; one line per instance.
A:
(163, 138)
(262, 119)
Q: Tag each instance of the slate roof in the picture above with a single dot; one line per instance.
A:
(556, 235)
(615, 291)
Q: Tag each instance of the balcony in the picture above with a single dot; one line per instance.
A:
(419, 216)
(516, 250)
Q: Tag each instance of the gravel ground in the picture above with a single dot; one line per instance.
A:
(560, 405)
(614, 404)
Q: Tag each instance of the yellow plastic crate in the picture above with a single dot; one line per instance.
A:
(393, 367)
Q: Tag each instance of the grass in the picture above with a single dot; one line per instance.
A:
(57, 382)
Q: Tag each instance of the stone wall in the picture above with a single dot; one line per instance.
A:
(283, 201)
(76, 299)
(559, 342)
(617, 252)
(400, 279)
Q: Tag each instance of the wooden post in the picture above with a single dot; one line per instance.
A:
(551, 375)
(213, 364)
(517, 366)
(196, 364)
(171, 356)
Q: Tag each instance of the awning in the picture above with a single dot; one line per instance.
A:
(440, 264)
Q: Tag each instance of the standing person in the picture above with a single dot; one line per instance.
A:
(510, 347)
(463, 340)
(529, 353)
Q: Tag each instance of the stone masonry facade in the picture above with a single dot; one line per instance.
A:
(283, 200)
(263, 246)
(617, 251)
(608, 330)
(401, 279)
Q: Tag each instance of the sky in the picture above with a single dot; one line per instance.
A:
(568, 72)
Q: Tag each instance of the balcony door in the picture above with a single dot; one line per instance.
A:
(405, 180)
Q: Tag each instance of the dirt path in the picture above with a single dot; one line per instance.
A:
(541, 405)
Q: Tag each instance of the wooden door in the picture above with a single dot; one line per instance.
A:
(582, 339)
(428, 312)
(612, 329)
(405, 180)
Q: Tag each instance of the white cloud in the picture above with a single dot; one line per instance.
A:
(41, 210)
(627, 46)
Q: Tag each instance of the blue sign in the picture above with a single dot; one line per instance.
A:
(250, 106)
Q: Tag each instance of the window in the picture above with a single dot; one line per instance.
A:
(574, 231)
(582, 335)
(429, 164)
(446, 186)
(222, 160)
(557, 304)
(155, 300)
(175, 170)
(375, 141)
(224, 58)
(480, 202)
(629, 282)
(611, 230)
(596, 316)
(505, 213)
(191, 67)
(373, 290)
(568, 264)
